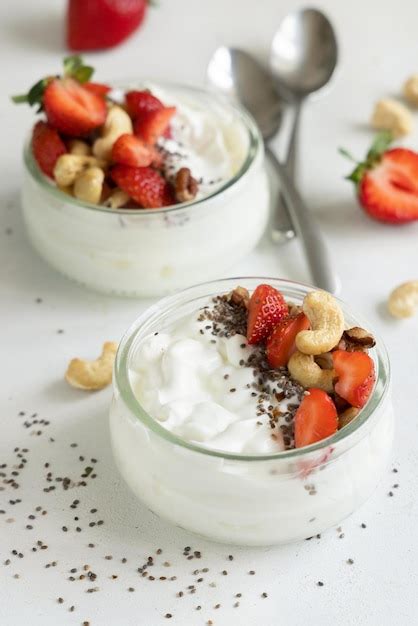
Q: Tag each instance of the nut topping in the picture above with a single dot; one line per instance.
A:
(240, 296)
(185, 185)
(356, 338)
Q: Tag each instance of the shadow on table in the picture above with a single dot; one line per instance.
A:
(43, 32)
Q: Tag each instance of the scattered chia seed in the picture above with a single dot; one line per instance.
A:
(320, 583)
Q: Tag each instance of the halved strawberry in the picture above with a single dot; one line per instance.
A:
(281, 343)
(315, 419)
(152, 125)
(387, 182)
(356, 376)
(267, 308)
(71, 108)
(146, 186)
(130, 150)
(139, 102)
(97, 88)
(47, 146)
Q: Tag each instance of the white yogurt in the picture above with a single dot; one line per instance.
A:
(154, 252)
(197, 386)
(174, 438)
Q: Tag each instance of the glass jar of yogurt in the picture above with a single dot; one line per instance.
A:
(139, 252)
(257, 496)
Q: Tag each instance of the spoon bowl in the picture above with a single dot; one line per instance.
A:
(238, 75)
(304, 53)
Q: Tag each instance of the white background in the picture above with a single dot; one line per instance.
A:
(378, 51)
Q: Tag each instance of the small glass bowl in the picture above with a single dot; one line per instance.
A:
(145, 253)
(246, 500)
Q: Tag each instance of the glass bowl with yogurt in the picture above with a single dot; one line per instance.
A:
(190, 436)
(151, 252)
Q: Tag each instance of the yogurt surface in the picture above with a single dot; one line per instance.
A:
(202, 381)
(210, 140)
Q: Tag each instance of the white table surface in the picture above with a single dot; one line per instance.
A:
(378, 50)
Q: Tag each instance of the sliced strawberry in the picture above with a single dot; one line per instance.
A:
(152, 125)
(130, 150)
(389, 192)
(281, 343)
(267, 308)
(146, 186)
(315, 419)
(140, 102)
(356, 376)
(387, 182)
(97, 88)
(47, 146)
(71, 108)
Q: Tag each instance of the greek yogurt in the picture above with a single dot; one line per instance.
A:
(193, 451)
(202, 387)
(151, 252)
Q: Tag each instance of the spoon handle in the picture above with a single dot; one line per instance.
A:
(291, 159)
(316, 250)
(282, 227)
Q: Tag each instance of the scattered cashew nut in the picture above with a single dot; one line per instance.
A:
(392, 115)
(69, 166)
(93, 375)
(403, 301)
(327, 324)
(305, 371)
(117, 199)
(89, 184)
(117, 123)
(410, 89)
(76, 146)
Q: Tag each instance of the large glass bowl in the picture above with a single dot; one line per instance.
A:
(137, 252)
(248, 500)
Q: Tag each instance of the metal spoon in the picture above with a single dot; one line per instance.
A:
(237, 74)
(304, 55)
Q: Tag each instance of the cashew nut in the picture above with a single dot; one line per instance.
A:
(327, 324)
(393, 116)
(76, 146)
(69, 166)
(117, 199)
(347, 416)
(410, 89)
(89, 184)
(117, 123)
(403, 301)
(92, 375)
(305, 371)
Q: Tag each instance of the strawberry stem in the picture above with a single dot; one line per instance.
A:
(379, 146)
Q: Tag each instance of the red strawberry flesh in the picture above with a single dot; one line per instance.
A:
(152, 125)
(356, 376)
(140, 102)
(146, 186)
(130, 150)
(315, 419)
(71, 108)
(281, 343)
(266, 309)
(47, 147)
(99, 24)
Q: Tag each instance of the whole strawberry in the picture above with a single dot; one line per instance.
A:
(99, 24)
(387, 181)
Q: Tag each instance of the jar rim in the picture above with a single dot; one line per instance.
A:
(123, 386)
(255, 142)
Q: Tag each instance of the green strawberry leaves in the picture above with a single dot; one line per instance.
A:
(379, 146)
(73, 68)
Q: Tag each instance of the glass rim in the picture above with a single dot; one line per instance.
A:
(254, 135)
(123, 386)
